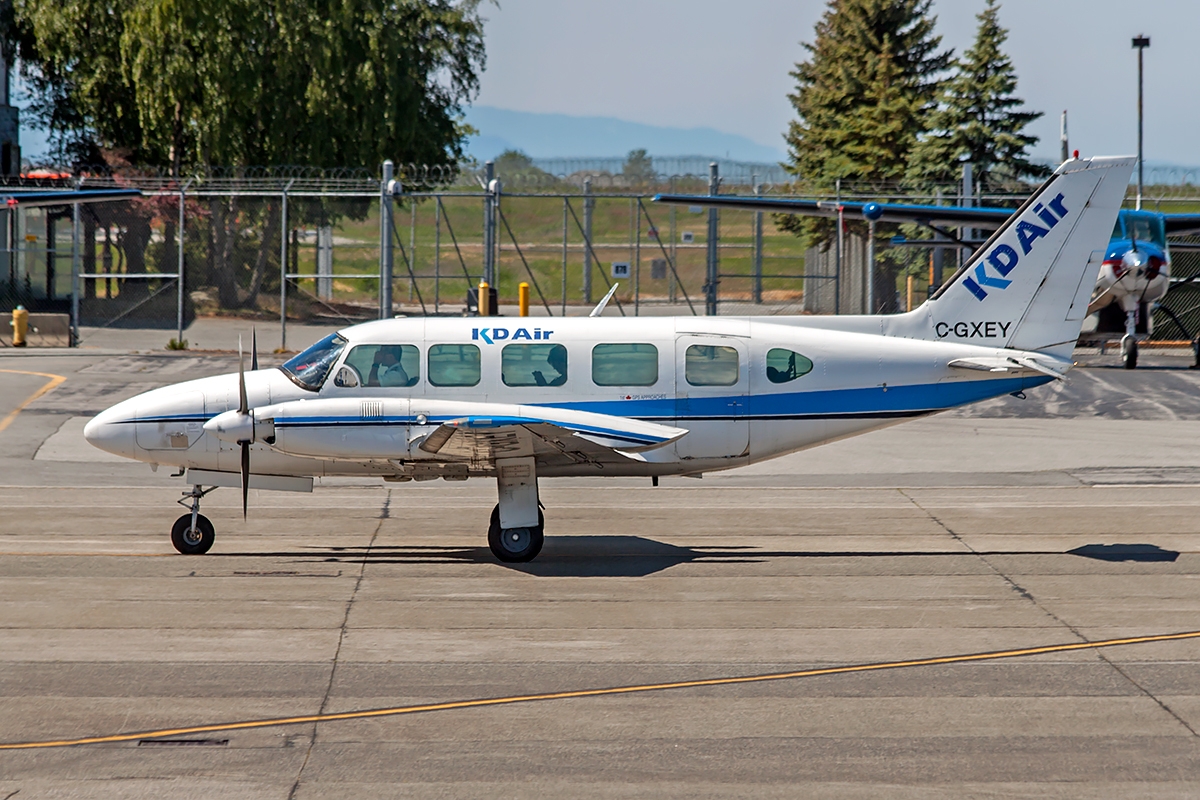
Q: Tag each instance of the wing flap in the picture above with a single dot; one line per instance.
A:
(493, 431)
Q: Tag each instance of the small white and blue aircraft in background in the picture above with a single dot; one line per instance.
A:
(518, 400)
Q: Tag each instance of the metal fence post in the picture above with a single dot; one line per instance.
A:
(758, 245)
(939, 254)
(588, 205)
(283, 265)
(674, 256)
(180, 288)
(76, 252)
(437, 253)
(710, 284)
(489, 225)
(386, 254)
(871, 267)
(564, 258)
(837, 258)
(968, 199)
(637, 260)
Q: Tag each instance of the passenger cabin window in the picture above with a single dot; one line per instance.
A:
(308, 370)
(453, 365)
(624, 365)
(784, 365)
(711, 365)
(533, 365)
(383, 365)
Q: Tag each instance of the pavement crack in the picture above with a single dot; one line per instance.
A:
(1025, 593)
(384, 514)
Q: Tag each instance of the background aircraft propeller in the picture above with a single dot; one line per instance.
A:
(244, 409)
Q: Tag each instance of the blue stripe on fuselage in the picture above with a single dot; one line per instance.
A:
(873, 401)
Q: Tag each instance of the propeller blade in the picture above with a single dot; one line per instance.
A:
(254, 350)
(245, 476)
(243, 404)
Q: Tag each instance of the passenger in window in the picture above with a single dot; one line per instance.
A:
(386, 369)
(556, 359)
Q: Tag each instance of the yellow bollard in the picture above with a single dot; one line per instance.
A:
(911, 285)
(20, 326)
(523, 298)
(484, 297)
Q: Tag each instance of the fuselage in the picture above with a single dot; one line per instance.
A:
(745, 389)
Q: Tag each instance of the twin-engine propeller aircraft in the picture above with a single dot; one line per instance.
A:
(419, 399)
(1134, 275)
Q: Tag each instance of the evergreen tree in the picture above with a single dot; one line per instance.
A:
(979, 122)
(866, 92)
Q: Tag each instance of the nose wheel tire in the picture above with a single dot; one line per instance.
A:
(515, 545)
(192, 541)
(1129, 353)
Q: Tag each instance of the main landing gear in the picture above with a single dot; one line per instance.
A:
(515, 534)
(514, 545)
(193, 533)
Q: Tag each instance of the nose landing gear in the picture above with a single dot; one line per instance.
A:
(193, 533)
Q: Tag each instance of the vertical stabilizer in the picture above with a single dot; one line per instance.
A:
(1028, 286)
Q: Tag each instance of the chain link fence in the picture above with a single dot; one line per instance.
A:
(305, 245)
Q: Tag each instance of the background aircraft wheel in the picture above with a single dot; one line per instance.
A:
(1129, 354)
(515, 544)
(192, 541)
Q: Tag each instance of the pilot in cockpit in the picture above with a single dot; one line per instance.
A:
(386, 369)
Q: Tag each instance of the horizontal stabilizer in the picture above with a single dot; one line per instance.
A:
(1014, 364)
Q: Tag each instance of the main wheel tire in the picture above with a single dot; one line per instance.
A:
(515, 545)
(1129, 355)
(192, 541)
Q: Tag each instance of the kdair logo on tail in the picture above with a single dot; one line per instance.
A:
(1003, 258)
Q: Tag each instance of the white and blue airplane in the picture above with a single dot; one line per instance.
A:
(517, 400)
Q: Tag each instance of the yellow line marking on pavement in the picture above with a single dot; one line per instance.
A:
(55, 380)
(650, 687)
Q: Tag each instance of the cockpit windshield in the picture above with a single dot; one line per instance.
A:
(309, 369)
(1141, 227)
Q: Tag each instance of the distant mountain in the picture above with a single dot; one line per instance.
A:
(564, 136)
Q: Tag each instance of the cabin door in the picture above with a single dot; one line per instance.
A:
(711, 385)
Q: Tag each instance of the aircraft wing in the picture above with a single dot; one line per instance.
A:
(65, 198)
(951, 216)
(552, 435)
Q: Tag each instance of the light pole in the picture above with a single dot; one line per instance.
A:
(1140, 43)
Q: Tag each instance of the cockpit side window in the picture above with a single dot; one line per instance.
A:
(309, 369)
(1142, 227)
(385, 364)
(784, 366)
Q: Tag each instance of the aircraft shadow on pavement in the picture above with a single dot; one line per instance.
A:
(638, 556)
(562, 556)
(1125, 552)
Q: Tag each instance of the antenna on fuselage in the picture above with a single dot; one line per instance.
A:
(599, 309)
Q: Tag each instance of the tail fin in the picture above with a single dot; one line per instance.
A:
(1028, 287)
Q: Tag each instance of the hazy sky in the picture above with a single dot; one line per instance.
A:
(724, 65)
